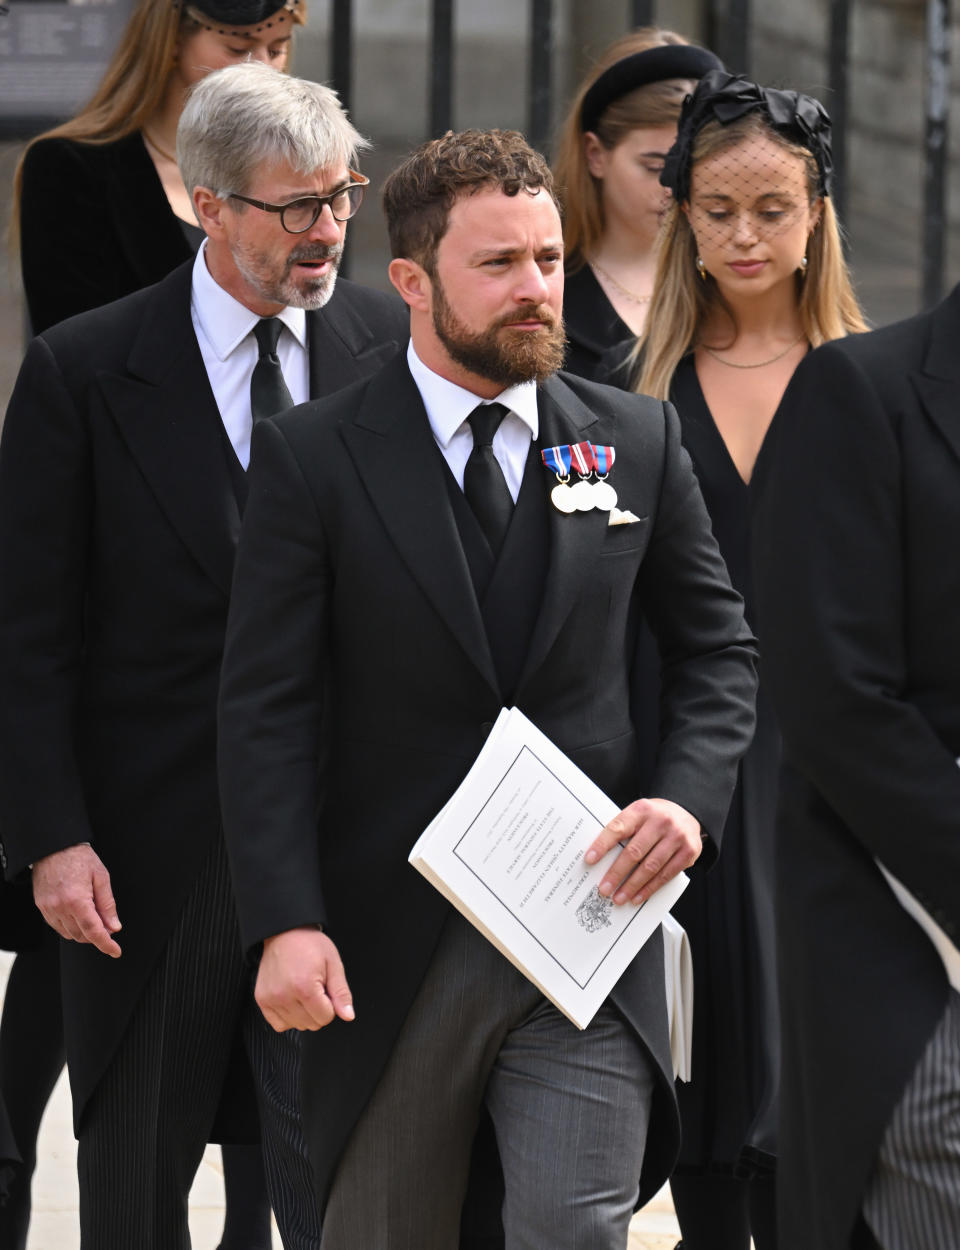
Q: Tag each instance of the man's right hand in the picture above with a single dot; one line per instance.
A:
(301, 983)
(72, 890)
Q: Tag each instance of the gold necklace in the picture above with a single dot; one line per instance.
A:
(733, 364)
(630, 295)
(167, 156)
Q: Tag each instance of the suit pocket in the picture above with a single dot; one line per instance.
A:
(631, 537)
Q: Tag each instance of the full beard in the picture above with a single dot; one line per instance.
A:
(294, 290)
(498, 353)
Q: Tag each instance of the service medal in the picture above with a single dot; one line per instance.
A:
(582, 495)
(557, 459)
(562, 498)
(604, 496)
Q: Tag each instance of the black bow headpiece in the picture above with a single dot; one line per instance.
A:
(724, 97)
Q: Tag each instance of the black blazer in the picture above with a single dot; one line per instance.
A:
(95, 225)
(118, 522)
(858, 585)
(355, 595)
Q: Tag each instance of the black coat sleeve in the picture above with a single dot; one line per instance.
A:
(272, 698)
(45, 515)
(66, 250)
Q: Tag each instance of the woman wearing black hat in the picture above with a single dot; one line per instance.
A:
(620, 126)
(101, 211)
(99, 202)
(750, 275)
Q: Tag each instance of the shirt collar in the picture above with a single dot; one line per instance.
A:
(224, 320)
(448, 405)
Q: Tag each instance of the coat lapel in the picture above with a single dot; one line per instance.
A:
(342, 346)
(937, 383)
(576, 539)
(166, 413)
(395, 455)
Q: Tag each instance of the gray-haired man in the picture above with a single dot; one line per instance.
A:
(122, 484)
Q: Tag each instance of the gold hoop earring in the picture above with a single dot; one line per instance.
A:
(702, 269)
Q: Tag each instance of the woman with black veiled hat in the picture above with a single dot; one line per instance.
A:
(750, 276)
(99, 204)
(100, 210)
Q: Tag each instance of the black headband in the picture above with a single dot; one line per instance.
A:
(225, 15)
(722, 97)
(672, 60)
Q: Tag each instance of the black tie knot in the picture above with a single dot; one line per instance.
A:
(267, 334)
(484, 422)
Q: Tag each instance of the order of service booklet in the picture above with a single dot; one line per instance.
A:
(508, 850)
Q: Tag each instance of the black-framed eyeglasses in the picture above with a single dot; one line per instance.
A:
(299, 215)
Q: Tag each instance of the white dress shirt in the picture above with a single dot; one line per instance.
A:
(448, 407)
(224, 330)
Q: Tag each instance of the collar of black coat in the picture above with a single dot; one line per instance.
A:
(936, 383)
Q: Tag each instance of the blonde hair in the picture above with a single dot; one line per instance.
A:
(654, 104)
(133, 85)
(682, 300)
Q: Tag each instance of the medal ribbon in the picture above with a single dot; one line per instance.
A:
(582, 458)
(557, 459)
(603, 458)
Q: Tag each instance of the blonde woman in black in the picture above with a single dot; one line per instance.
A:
(750, 275)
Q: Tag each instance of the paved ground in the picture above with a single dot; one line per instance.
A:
(54, 1225)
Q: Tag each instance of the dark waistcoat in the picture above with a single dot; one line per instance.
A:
(509, 589)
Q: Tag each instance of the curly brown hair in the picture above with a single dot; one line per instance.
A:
(418, 195)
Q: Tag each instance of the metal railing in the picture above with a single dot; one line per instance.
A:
(727, 25)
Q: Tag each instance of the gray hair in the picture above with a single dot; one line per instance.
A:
(239, 117)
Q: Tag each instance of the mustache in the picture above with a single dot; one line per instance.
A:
(535, 312)
(315, 251)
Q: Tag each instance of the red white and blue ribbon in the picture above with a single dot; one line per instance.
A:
(557, 459)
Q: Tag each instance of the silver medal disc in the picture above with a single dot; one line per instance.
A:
(582, 495)
(604, 496)
(562, 498)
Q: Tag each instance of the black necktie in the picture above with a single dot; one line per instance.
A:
(484, 485)
(268, 391)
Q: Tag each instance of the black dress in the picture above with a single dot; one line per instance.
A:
(95, 224)
(593, 325)
(729, 1108)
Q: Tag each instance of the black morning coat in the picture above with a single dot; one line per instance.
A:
(353, 597)
(858, 583)
(118, 525)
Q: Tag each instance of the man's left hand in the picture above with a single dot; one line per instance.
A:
(659, 840)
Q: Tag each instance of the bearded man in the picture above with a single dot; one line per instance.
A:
(402, 575)
(122, 483)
